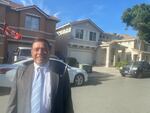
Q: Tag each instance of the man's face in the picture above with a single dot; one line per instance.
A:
(40, 53)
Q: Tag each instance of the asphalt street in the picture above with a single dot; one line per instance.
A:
(108, 92)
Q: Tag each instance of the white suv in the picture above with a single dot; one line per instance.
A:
(22, 53)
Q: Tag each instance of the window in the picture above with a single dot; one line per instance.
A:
(100, 37)
(92, 36)
(32, 22)
(145, 47)
(79, 33)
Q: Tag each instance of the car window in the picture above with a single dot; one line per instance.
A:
(136, 63)
(146, 65)
(26, 52)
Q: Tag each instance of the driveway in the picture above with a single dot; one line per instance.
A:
(108, 92)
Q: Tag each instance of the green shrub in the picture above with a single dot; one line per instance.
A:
(121, 64)
(72, 62)
(86, 67)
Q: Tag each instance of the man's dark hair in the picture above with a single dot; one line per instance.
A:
(42, 40)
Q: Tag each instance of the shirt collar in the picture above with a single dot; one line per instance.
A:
(45, 66)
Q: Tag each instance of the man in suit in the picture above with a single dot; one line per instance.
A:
(54, 86)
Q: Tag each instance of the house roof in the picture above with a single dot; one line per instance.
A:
(38, 9)
(116, 36)
(20, 7)
(4, 2)
(126, 36)
(140, 51)
(123, 40)
(15, 5)
(114, 42)
(10, 3)
(80, 22)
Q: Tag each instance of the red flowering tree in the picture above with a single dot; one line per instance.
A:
(8, 32)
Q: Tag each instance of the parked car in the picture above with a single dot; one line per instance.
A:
(137, 69)
(22, 53)
(5, 67)
(77, 76)
(6, 80)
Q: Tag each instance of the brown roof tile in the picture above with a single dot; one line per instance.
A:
(15, 5)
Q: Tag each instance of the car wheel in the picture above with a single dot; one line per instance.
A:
(78, 80)
(139, 75)
(123, 74)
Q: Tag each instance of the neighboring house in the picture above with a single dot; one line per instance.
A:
(114, 36)
(83, 38)
(109, 53)
(89, 44)
(30, 21)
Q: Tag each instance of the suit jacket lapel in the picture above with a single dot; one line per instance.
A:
(27, 81)
(54, 85)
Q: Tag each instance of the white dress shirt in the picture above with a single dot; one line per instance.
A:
(46, 90)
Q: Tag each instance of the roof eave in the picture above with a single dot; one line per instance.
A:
(34, 6)
(65, 25)
(3, 2)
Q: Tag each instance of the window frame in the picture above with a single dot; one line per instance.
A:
(79, 34)
(92, 36)
(32, 22)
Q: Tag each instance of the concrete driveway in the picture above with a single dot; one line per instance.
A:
(108, 92)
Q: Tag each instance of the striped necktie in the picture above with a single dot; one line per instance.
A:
(36, 92)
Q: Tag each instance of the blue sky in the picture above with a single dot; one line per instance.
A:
(104, 13)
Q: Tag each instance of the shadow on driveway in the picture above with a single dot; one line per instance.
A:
(96, 78)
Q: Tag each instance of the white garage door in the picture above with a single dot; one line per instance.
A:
(83, 56)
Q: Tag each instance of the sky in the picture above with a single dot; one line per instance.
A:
(106, 14)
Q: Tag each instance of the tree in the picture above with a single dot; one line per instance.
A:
(138, 17)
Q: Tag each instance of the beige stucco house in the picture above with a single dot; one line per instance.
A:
(109, 53)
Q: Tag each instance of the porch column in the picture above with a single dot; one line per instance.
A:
(115, 57)
(123, 55)
(108, 56)
(140, 57)
(132, 57)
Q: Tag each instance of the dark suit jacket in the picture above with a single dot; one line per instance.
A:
(20, 96)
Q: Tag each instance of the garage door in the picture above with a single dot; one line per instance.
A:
(83, 56)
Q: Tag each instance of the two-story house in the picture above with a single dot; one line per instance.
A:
(30, 21)
(83, 37)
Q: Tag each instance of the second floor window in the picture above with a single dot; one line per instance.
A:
(32, 22)
(145, 47)
(92, 36)
(79, 34)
